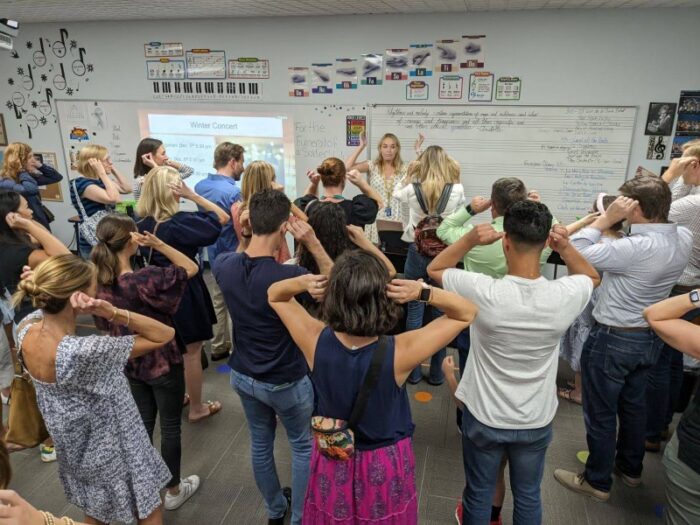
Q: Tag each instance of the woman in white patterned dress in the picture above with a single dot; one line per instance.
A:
(106, 462)
(386, 173)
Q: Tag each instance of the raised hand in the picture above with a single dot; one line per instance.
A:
(313, 176)
(182, 191)
(17, 222)
(533, 195)
(85, 304)
(419, 143)
(355, 177)
(147, 159)
(301, 231)
(480, 204)
(483, 234)
(363, 139)
(620, 209)
(357, 235)
(316, 285)
(404, 290)
(97, 165)
(558, 238)
(27, 273)
(147, 239)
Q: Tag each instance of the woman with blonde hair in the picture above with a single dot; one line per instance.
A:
(24, 173)
(95, 191)
(258, 176)
(433, 179)
(386, 172)
(157, 380)
(186, 232)
(106, 464)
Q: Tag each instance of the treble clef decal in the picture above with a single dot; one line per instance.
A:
(59, 46)
(660, 149)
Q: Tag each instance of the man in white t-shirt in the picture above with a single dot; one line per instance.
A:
(509, 385)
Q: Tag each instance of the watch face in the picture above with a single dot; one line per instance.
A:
(695, 296)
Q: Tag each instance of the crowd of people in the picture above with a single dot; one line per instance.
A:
(324, 337)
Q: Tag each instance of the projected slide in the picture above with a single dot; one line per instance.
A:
(191, 138)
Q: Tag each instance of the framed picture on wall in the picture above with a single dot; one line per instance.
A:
(52, 192)
(660, 119)
(3, 131)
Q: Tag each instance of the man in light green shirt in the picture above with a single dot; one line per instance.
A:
(489, 259)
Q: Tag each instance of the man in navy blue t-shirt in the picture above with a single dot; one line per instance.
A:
(269, 372)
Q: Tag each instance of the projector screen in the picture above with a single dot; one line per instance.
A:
(191, 138)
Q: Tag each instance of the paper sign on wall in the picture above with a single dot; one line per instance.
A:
(165, 69)
(298, 81)
(417, 90)
(396, 64)
(355, 125)
(446, 56)
(249, 67)
(450, 87)
(508, 88)
(473, 51)
(371, 70)
(163, 49)
(321, 78)
(346, 73)
(480, 87)
(421, 60)
(206, 64)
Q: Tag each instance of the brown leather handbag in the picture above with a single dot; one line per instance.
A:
(25, 424)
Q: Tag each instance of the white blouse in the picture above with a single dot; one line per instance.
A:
(408, 195)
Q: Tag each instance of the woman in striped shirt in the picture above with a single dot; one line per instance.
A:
(150, 153)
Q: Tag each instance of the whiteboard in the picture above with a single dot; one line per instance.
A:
(568, 154)
(316, 131)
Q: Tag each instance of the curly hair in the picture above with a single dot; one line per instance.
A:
(15, 159)
(328, 222)
(356, 302)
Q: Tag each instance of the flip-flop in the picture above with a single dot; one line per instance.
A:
(565, 393)
(214, 408)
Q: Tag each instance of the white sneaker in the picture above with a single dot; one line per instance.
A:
(188, 486)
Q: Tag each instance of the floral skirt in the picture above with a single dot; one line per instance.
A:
(374, 486)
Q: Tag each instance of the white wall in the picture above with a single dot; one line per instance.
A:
(597, 57)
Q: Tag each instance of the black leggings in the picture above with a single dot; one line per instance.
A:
(165, 395)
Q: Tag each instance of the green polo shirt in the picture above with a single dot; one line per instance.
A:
(490, 259)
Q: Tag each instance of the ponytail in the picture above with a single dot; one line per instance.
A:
(113, 235)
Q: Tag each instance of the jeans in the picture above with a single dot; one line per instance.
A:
(417, 268)
(614, 370)
(664, 385)
(293, 403)
(483, 449)
(462, 343)
(163, 396)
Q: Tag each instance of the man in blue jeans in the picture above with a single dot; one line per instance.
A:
(508, 387)
(638, 271)
(268, 371)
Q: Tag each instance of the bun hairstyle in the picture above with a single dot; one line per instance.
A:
(147, 145)
(332, 172)
(113, 235)
(54, 281)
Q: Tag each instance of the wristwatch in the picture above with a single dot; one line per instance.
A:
(694, 297)
(425, 293)
(470, 211)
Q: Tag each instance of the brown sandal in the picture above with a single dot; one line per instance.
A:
(565, 393)
(214, 408)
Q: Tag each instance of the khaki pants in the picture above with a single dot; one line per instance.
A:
(221, 342)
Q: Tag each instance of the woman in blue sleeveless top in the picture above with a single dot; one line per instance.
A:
(361, 303)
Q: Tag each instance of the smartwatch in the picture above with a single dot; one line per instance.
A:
(694, 297)
(425, 293)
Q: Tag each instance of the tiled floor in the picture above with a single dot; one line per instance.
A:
(218, 451)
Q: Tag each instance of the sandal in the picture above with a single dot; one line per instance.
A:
(186, 401)
(214, 408)
(565, 393)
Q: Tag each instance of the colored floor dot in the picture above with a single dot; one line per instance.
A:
(582, 456)
(423, 397)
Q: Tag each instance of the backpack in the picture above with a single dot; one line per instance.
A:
(425, 233)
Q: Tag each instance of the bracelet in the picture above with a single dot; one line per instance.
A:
(114, 315)
(49, 518)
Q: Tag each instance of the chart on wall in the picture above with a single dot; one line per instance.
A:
(567, 154)
(293, 138)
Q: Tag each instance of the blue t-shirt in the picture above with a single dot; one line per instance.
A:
(91, 207)
(222, 191)
(264, 349)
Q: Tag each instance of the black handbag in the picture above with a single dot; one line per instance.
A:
(50, 217)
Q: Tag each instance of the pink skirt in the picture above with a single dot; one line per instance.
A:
(374, 486)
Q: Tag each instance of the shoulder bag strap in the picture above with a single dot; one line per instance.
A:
(371, 379)
(420, 198)
(81, 208)
(444, 198)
